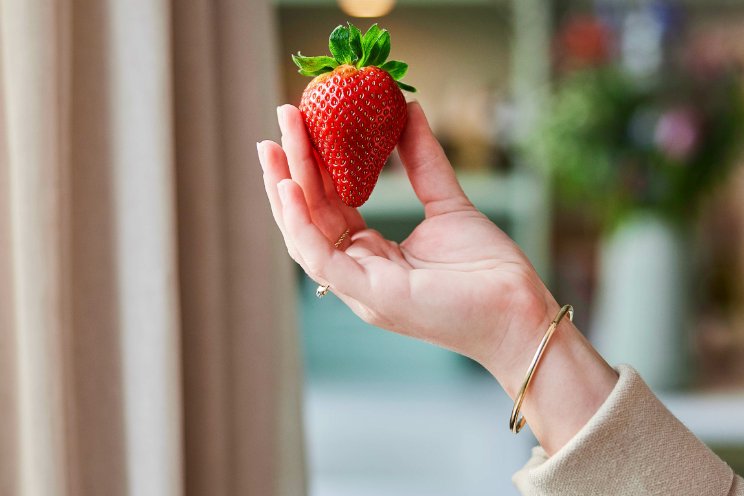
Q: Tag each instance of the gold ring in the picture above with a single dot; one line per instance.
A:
(323, 288)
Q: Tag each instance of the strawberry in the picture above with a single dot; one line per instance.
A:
(353, 109)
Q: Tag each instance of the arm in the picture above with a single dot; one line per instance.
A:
(632, 445)
(457, 281)
(426, 286)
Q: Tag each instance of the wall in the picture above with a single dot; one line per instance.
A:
(451, 51)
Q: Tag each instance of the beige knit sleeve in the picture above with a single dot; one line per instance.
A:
(633, 446)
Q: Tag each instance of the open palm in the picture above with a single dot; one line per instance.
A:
(457, 281)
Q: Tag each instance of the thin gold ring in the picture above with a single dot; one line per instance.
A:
(323, 288)
(516, 425)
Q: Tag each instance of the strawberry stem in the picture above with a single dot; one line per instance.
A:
(348, 46)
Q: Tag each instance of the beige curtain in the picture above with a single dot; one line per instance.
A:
(147, 341)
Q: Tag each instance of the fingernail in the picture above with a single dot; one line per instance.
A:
(261, 155)
(282, 188)
(280, 117)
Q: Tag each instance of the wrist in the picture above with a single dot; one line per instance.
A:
(571, 382)
(532, 312)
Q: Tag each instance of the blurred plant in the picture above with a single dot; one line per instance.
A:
(617, 143)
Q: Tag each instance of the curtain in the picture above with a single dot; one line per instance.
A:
(147, 326)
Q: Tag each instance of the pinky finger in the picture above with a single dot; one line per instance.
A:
(320, 259)
(275, 168)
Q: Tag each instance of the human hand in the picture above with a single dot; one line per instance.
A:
(457, 281)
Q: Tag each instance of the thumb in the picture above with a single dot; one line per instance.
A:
(428, 168)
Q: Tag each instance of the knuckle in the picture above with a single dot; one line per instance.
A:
(371, 317)
(314, 269)
(293, 254)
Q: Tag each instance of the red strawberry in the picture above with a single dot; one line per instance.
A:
(354, 110)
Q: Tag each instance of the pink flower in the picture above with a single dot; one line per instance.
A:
(677, 133)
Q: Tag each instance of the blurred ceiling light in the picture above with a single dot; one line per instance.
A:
(366, 8)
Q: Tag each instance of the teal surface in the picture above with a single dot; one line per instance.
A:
(339, 345)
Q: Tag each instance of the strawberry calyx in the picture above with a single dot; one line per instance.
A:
(349, 47)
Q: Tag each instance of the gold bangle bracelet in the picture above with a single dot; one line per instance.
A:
(516, 425)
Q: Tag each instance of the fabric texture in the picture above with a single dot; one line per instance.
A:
(148, 339)
(634, 446)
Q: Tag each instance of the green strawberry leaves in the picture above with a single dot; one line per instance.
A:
(340, 47)
(396, 68)
(349, 46)
(369, 43)
(380, 49)
(314, 66)
(355, 41)
(405, 87)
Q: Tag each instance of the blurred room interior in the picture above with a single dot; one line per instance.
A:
(156, 339)
(486, 72)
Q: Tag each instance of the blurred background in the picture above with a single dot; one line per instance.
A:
(156, 339)
(604, 137)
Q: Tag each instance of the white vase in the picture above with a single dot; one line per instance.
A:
(642, 312)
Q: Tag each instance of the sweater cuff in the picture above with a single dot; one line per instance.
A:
(631, 445)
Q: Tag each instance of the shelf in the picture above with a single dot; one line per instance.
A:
(493, 194)
(519, 199)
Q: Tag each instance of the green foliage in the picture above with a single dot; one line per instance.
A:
(340, 47)
(616, 144)
(396, 68)
(314, 66)
(379, 51)
(369, 44)
(348, 46)
(405, 87)
(355, 40)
